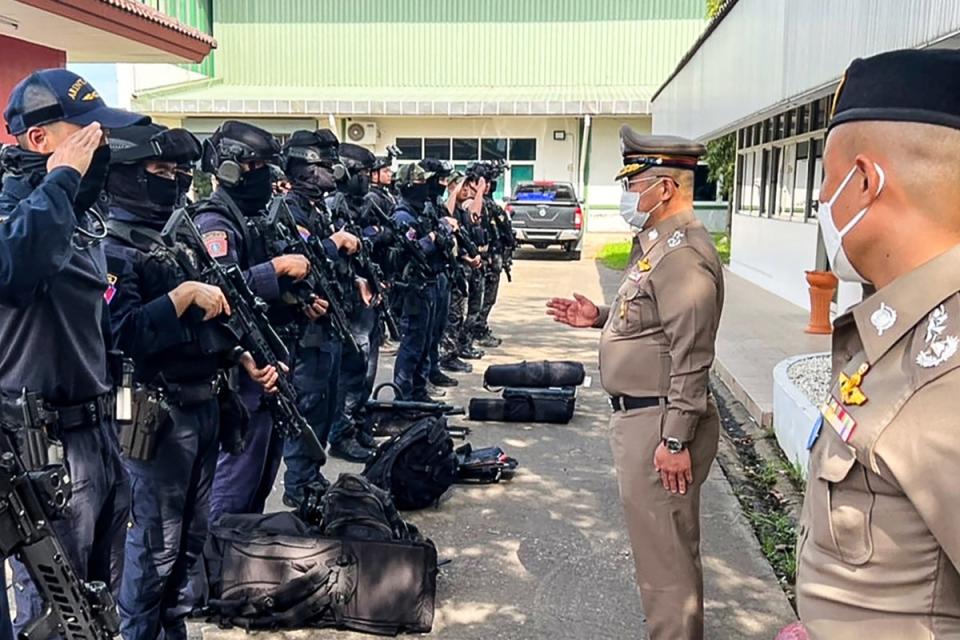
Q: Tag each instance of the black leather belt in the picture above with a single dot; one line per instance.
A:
(626, 403)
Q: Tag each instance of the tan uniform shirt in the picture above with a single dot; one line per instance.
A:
(658, 335)
(879, 541)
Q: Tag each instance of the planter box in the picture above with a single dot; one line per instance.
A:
(793, 414)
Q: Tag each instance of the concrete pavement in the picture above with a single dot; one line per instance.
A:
(546, 555)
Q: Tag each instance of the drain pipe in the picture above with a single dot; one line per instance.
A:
(584, 170)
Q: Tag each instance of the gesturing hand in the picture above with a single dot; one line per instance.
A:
(579, 312)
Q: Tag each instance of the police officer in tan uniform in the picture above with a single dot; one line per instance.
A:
(656, 350)
(879, 542)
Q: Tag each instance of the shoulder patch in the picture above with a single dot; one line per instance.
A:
(938, 345)
(111, 290)
(216, 243)
(304, 232)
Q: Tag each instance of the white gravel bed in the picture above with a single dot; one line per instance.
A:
(812, 377)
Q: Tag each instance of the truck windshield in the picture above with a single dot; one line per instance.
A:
(543, 192)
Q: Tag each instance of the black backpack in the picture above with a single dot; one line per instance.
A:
(355, 508)
(416, 466)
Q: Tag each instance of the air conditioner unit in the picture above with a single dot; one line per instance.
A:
(362, 132)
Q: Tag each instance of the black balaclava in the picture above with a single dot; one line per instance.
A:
(93, 181)
(312, 181)
(357, 185)
(416, 193)
(435, 189)
(253, 191)
(137, 190)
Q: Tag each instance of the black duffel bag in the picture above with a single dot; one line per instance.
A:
(276, 572)
(527, 405)
(535, 374)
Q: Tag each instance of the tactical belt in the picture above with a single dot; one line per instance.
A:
(189, 393)
(74, 416)
(626, 403)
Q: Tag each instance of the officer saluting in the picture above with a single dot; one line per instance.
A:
(53, 278)
(879, 542)
(656, 350)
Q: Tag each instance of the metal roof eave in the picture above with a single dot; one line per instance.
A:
(443, 108)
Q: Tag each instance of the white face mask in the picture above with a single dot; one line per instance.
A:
(630, 200)
(833, 237)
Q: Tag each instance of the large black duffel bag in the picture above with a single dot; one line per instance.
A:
(527, 405)
(275, 572)
(535, 374)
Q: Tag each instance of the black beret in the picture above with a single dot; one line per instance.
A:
(907, 85)
(641, 152)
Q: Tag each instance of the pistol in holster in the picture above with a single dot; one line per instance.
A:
(140, 412)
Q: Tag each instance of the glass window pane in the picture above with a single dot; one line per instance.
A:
(523, 149)
(466, 149)
(757, 189)
(800, 188)
(817, 176)
(747, 198)
(704, 189)
(493, 149)
(412, 148)
(788, 167)
(438, 148)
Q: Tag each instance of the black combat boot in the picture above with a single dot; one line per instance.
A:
(440, 379)
(350, 450)
(456, 365)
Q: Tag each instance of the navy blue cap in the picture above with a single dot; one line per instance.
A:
(54, 95)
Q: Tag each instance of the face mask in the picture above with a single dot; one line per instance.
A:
(162, 191)
(21, 162)
(435, 189)
(93, 181)
(254, 190)
(357, 185)
(629, 201)
(184, 182)
(415, 193)
(833, 237)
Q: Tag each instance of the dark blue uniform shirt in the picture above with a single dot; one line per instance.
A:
(51, 294)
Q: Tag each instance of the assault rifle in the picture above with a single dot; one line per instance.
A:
(29, 499)
(321, 279)
(410, 247)
(248, 325)
(390, 416)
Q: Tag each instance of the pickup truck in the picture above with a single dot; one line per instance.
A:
(546, 213)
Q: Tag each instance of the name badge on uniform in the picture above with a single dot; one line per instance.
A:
(837, 417)
(216, 243)
(111, 291)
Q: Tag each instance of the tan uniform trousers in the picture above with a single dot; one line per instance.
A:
(664, 528)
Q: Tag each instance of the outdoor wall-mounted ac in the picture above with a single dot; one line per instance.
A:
(362, 132)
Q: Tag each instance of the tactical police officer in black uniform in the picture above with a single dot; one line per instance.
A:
(418, 282)
(309, 158)
(456, 338)
(239, 155)
(500, 247)
(53, 323)
(180, 357)
(358, 369)
(382, 196)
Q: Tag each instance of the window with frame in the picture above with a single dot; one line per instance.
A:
(438, 148)
(412, 148)
(466, 149)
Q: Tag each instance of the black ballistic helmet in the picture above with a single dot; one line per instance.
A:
(236, 142)
(311, 147)
(153, 142)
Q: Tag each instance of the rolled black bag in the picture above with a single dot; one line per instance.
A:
(535, 374)
(526, 405)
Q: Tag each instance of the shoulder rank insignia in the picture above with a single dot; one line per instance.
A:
(111, 291)
(216, 243)
(675, 240)
(643, 265)
(837, 417)
(939, 348)
(850, 392)
(883, 318)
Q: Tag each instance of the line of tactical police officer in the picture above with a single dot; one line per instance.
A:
(89, 264)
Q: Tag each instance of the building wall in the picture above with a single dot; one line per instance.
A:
(766, 53)
(20, 59)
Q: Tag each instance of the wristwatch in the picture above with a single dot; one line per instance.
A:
(674, 445)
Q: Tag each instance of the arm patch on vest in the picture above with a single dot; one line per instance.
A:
(216, 243)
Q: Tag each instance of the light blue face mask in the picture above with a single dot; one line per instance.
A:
(630, 200)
